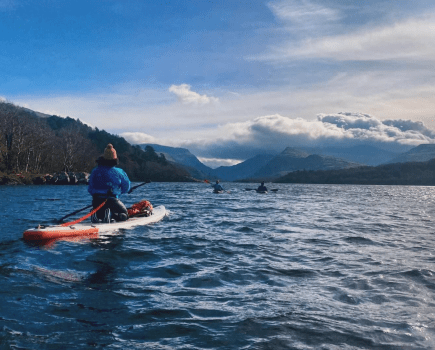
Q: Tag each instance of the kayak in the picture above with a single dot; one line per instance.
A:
(256, 190)
(91, 229)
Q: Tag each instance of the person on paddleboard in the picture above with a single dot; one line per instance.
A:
(217, 186)
(262, 188)
(108, 182)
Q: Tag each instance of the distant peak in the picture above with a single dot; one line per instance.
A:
(426, 146)
(294, 152)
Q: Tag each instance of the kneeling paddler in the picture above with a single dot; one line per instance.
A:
(108, 182)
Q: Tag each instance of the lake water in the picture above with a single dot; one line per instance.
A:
(307, 267)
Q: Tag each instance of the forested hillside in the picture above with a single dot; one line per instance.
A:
(412, 173)
(33, 144)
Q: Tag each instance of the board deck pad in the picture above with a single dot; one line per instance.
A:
(88, 228)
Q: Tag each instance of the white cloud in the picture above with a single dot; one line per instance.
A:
(186, 96)
(363, 127)
(412, 126)
(270, 131)
(138, 138)
(275, 133)
(408, 40)
(131, 109)
(303, 13)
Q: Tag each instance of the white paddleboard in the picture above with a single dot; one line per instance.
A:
(88, 228)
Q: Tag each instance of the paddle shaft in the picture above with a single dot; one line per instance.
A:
(134, 187)
(75, 212)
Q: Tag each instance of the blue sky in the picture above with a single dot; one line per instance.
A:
(223, 77)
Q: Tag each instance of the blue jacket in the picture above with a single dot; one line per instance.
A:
(105, 178)
(217, 187)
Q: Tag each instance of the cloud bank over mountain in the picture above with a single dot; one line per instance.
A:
(363, 127)
(274, 133)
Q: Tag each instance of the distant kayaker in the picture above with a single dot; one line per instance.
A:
(217, 186)
(108, 182)
(262, 188)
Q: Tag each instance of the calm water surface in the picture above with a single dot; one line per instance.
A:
(308, 267)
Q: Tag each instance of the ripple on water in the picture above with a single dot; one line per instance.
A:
(309, 267)
(360, 240)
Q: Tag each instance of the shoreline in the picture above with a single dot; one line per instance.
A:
(59, 178)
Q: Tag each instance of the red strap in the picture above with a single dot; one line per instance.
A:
(84, 217)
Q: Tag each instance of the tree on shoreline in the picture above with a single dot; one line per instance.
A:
(28, 144)
(39, 145)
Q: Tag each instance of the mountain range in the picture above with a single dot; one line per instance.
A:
(407, 173)
(292, 159)
(363, 154)
(421, 153)
(263, 166)
(272, 166)
(59, 135)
